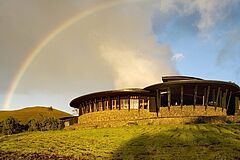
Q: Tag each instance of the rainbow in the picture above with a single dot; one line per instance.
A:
(44, 42)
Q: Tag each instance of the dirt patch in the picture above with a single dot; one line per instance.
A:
(6, 155)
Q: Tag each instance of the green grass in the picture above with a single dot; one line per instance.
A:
(202, 141)
(25, 114)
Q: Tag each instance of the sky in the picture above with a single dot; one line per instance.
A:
(54, 51)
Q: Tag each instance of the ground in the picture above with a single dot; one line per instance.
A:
(196, 141)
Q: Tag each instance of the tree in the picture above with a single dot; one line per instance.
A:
(11, 126)
(34, 125)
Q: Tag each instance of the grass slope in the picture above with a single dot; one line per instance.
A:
(25, 114)
(203, 141)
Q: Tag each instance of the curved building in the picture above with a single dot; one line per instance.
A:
(174, 91)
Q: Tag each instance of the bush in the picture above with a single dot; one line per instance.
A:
(1, 123)
(12, 126)
(50, 123)
(46, 124)
(34, 125)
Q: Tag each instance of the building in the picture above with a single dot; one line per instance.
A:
(178, 91)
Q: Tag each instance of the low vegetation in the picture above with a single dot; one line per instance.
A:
(201, 141)
(12, 126)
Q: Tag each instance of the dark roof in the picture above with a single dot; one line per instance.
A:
(121, 92)
(212, 83)
(67, 118)
(178, 78)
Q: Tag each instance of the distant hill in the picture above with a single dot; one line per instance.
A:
(25, 114)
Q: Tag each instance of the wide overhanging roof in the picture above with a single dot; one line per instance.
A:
(224, 85)
(178, 78)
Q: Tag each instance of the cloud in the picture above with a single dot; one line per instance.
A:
(107, 50)
(177, 57)
(209, 13)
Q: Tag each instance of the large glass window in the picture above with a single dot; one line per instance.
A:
(124, 103)
(133, 103)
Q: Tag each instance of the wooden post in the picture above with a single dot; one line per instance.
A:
(214, 94)
(84, 108)
(119, 105)
(236, 108)
(204, 98)
(229, 99)
(217, 98)
(220, 99)
(96, 108)
(80, 110)
(109, 103)
(143, 103)
(89, 107)
(225, 99)
(207, 98)
(181, 97)
(160, 101)
(195, 97)
(128, 103)
(103, 108)
(169, 98)
(157, 101)
(138, 103)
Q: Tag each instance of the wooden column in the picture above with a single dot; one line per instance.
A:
(119, 105)
(217, 98)
(181, 97)
(229, 99)
(84, 107)
(129, 103)
(207, 98)
(109, 103)
(214, 94)
(143, 103)
(88, 107)
(204, 98)
(225, 99)
(138, 103)
(220, 99)
(80, 110)
(95, 105)
(236, 108)
(160, 101)
(103, 107)
(169, 98)
(92, 105)
(195, 97)
(157, 95)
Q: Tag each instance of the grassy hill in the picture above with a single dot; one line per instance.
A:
(25, 114)
(202, 141)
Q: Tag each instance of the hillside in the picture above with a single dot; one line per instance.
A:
(25, 114)
(202, 141)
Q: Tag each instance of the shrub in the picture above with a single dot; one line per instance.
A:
(50, 123)
(11, 126)
(46, 124)
(1, 123)
(34, 125)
